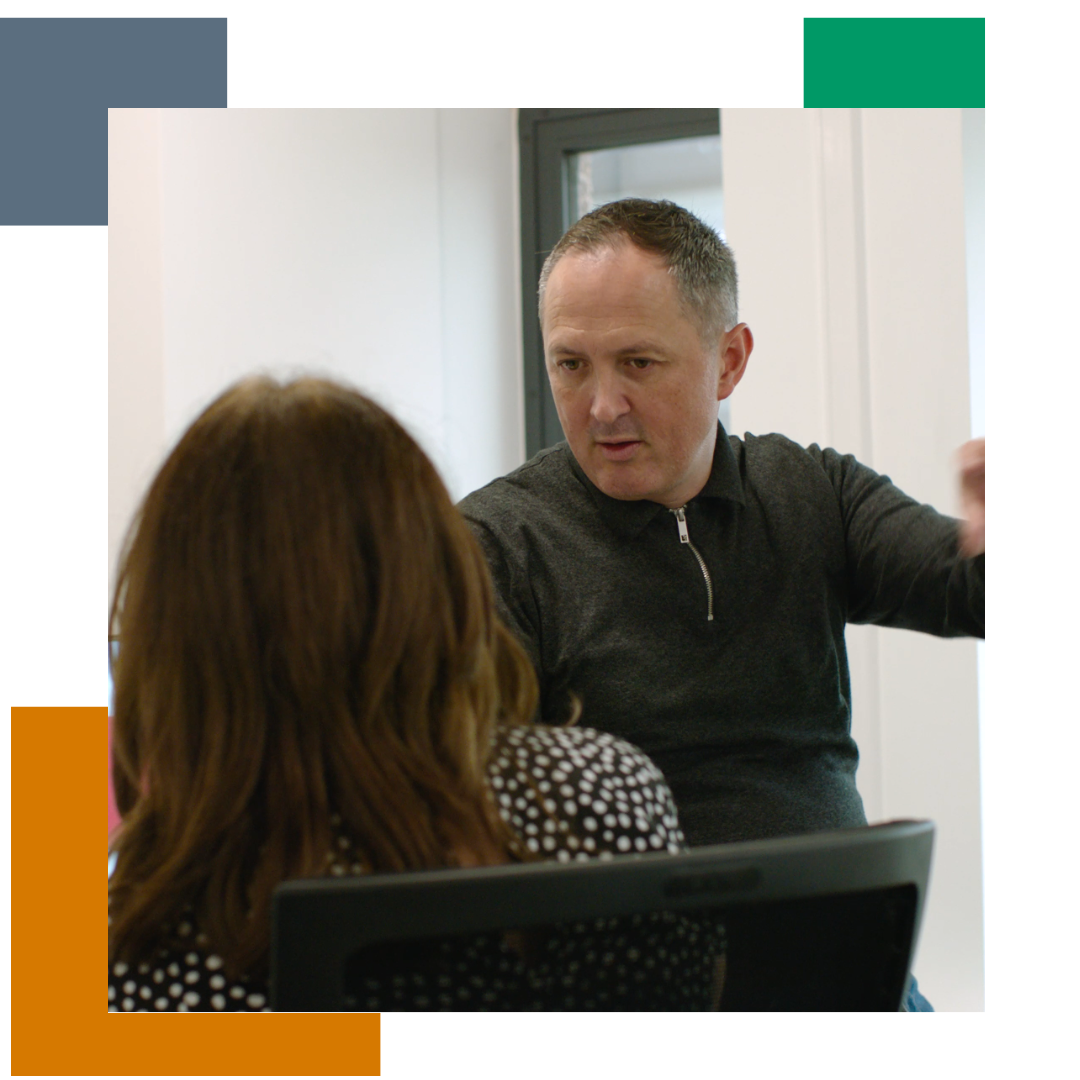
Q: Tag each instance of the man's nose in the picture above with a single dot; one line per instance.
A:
(609, 400)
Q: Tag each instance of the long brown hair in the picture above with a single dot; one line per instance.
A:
(305, 629)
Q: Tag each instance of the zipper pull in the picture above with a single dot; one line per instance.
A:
(680, 517)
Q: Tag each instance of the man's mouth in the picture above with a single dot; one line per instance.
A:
(618, 449)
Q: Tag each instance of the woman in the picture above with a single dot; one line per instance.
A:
(310, 679)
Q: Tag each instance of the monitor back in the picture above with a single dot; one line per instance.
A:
(826, 921)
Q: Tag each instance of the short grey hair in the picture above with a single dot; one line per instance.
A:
(702, 264)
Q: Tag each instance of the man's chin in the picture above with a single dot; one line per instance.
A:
(625, 482)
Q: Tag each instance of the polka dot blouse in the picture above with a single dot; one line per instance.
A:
(570, 794)
(573, 793)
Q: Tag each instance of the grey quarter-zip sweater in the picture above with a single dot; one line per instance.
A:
(747, 713)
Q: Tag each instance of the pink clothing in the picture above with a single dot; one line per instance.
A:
(114, 816)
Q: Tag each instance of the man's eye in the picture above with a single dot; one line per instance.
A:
(641, 363)
(569, 365)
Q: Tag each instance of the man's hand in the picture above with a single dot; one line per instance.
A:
(972, 460)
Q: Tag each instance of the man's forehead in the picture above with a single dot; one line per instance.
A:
(623, 277)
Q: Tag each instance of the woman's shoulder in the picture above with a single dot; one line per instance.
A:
(578, 793)
(577, 745)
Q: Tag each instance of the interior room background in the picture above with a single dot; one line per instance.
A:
(382, 247)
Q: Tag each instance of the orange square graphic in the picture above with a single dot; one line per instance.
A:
(59, 1024)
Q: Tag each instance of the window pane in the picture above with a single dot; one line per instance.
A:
(686, 171)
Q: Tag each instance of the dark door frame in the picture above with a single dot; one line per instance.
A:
(546, 137)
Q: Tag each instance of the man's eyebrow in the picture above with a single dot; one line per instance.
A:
(562, 349)
(636, 348)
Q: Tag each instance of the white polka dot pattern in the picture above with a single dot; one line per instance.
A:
(575, 794)
(569, 794)
(164, 985)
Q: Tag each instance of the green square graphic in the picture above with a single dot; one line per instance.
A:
(894, 63)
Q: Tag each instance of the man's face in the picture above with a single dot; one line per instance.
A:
(635, 387)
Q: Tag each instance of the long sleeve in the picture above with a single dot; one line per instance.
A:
(904, 567)
(513, 597)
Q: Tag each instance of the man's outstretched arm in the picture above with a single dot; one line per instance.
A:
(906, 566)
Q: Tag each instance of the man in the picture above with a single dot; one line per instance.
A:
(691, 589)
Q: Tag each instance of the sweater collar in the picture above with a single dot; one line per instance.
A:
(628, 517)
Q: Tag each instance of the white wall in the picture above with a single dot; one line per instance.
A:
(377, 246)
(136, 371)
(848, 227)
(483, 387)
(974, 129)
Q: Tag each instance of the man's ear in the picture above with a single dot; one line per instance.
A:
(735, 348)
